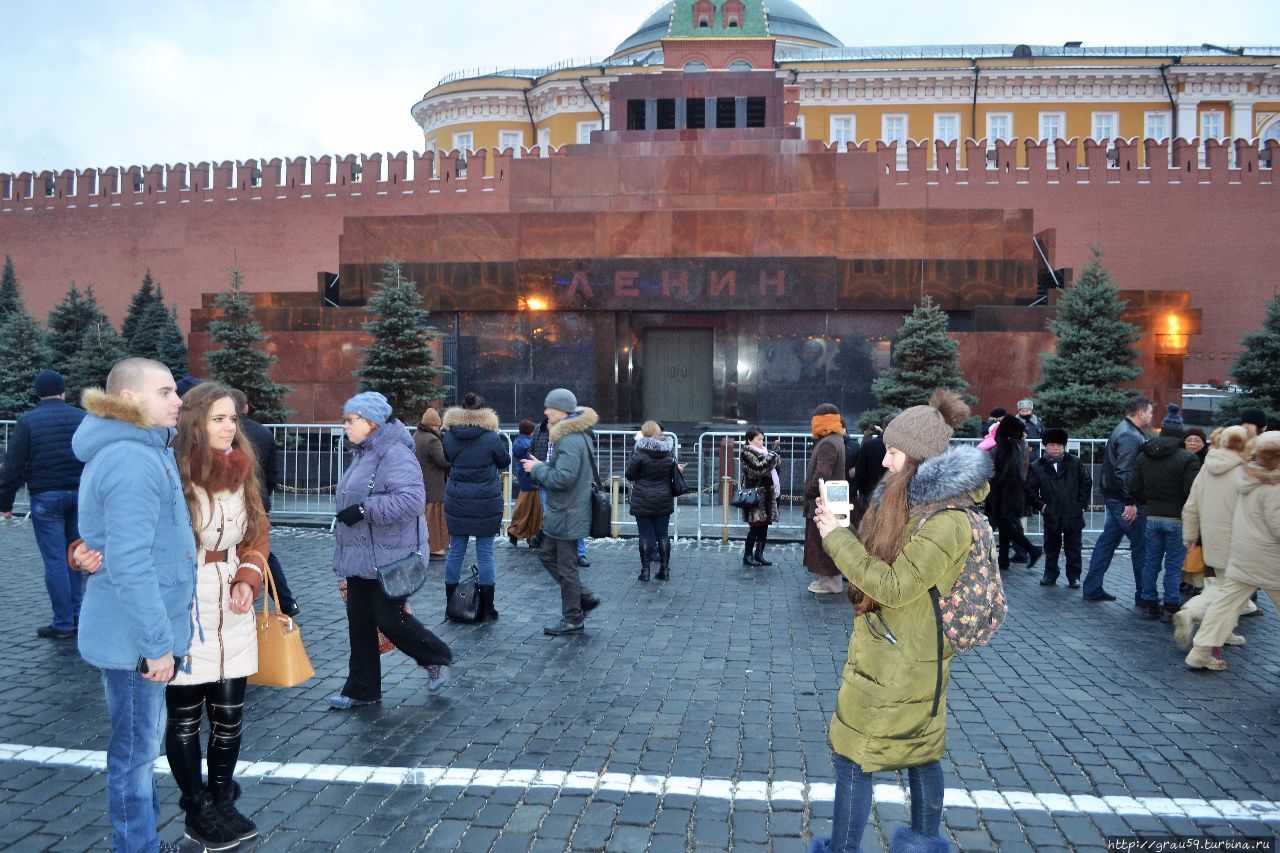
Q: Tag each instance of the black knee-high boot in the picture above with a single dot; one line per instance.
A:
(664, 555)
(747, 558)
(646, 557)
(762, 536)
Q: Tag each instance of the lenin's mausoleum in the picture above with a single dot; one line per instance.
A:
(725, 218)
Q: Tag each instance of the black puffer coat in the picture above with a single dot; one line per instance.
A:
(650, 472)
(473, 495)
(1008, 499)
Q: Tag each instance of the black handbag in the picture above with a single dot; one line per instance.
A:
(401, 578)
(746, 498)
(679, 485)
(464, 604)
(601, 511)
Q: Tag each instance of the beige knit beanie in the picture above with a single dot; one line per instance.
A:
(923, 432)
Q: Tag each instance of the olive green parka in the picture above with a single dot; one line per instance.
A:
(885, 713)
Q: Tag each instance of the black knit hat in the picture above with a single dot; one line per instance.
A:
(1055, 435)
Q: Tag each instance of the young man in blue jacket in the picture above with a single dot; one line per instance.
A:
(135, 623)
(40, 456)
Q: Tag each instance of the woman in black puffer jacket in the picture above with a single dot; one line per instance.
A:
(651, 499)
(1007, 502)
(473, 495)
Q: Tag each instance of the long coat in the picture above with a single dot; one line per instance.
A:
(825, 463)
(883, 718)
(1008, 498)
(649, 469)
(757, 473)
(567, 477)
(1211, 507)
(1255, 528)
(394, 524)
(473, 495)
(435, 467)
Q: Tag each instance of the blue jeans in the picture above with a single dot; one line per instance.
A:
(136, 708)
(1113, 529)
(484, 559)
(582, 543)
(853, 805)
(652, 528)
(54, 519)
(1164, 542)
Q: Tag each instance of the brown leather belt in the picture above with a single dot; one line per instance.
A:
(215, 556)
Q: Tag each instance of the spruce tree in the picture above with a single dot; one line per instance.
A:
(170, 345)
(100, 348)
(67, 324)
(1257, 369)
(23, 354)
(10, 292)
(399, 362)
(1081, 382)
(148, 294)
(924, 358)
(238, 358)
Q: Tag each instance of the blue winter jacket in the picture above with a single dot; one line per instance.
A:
(393, 509)
(519, 450)
(473, 495)
(40, 452)
(132, 510)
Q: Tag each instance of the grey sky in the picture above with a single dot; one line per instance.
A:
(85, 83)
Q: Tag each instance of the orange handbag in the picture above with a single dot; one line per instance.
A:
(1194, 564)
(282, 659)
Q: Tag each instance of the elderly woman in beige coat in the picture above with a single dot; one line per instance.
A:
(1254, 561)
(1207, 517)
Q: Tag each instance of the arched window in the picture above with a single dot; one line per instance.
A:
(739, 65)
(1271, 131)
(695, 65)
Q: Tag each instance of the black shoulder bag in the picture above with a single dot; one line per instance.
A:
(405, 576)
(601, 521)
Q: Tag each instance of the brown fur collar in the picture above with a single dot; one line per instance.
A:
(103, 405)
(228, 471)
(582, 420)
(458, 416)
(1264, 458)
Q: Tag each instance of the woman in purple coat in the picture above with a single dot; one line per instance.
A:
(381, 521)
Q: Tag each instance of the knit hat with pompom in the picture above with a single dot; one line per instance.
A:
(923, 432)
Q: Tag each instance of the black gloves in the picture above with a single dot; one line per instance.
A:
(353, 514)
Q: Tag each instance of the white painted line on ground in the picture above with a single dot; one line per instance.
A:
(755, 790)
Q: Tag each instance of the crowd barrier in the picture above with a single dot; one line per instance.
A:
(310, 459)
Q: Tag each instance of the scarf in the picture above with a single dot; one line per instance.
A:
(777, 483)
(227, 471)
(824, 425)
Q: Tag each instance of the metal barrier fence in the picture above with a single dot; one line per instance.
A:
(312, 457)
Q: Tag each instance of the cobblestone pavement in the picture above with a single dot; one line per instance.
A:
(691, 716)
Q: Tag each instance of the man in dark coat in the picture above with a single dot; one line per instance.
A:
(40, 456)
(566, 477)
(1162, 478)
(264, 447)
(1058, 487)
(1126, 517)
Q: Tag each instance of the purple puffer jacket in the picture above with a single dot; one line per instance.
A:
(394, 509)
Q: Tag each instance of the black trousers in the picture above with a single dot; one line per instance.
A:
(223, 701)
(1010, 530)
(1059, 538)
(368, 610)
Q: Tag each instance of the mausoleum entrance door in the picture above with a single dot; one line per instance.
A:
(677, 375)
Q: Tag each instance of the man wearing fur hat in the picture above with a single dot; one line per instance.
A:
(135, 625)
(566, 475)
(40, 456)
(1058, 487)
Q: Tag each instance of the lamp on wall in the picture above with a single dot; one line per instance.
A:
(1172, 338)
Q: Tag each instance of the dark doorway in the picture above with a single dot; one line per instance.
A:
(678, 375)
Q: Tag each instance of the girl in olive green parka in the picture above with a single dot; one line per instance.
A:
(891, 709)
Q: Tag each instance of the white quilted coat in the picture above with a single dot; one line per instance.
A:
(224, 644)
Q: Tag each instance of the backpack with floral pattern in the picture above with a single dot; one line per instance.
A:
(975, 608)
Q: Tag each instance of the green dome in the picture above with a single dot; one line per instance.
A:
(787, 22)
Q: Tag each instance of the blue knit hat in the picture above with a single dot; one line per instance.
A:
(370, 405)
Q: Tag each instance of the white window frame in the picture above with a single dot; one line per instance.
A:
(885, 120)
(992, 134)
(1096, 131)
(505, 140)
(544, 141)
(1149, 120)
(837, 121)
(1206, 130)
(464, 141)
(1050, 149)
(800, 124)
(432, 145)
(938, 135)
(585, 129)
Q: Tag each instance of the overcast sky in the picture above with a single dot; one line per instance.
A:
(97, 83)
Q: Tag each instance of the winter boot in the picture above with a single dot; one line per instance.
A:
(225, 803)
(485, 611)
(664, 555)
(761, 538)
(448, 596)
(1201, 658)
(646, 556)
(748, 547)
(907, 841)
(205, 825)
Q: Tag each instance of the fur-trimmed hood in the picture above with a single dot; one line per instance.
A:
(1263, 467)
(111, 419)
(1220, 460)
(581, 420)
(962, 470)
(456, 417)
(656, 445)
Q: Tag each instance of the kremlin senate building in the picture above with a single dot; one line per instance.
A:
(727, 217)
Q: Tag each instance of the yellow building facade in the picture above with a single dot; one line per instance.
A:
(858, 95)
